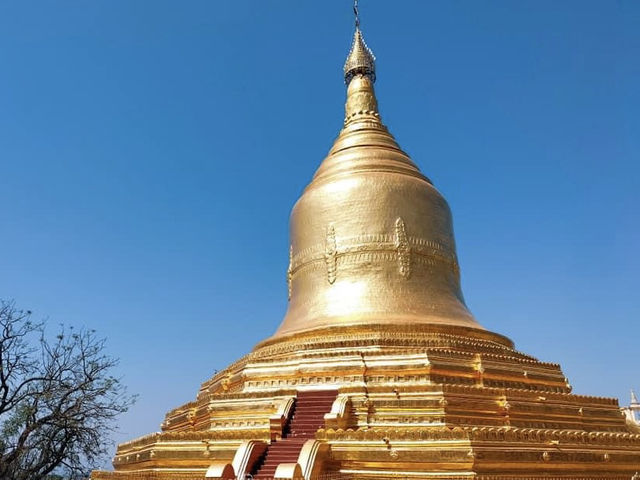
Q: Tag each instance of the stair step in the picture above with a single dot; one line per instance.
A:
(307, 417)
(317, 398)
(309, 402)
(308, 393)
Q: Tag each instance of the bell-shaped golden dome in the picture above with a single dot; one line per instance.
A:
(371, 238)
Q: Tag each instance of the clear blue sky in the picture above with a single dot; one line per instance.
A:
(150, 153)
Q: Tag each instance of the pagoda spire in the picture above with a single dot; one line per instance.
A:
(360, 75)
(361, 60)
(633, 410)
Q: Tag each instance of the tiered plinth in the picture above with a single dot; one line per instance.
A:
(446, 403)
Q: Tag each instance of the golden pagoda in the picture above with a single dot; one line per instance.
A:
(378, 369)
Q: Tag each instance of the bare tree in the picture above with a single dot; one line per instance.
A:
(58, 399)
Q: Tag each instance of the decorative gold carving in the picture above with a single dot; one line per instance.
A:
(361, 61)
(403, 248)
(330, 254)
(191, 416)
(379, 248)
(290, 271)
(226, 382)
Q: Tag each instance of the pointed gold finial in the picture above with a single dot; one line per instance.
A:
(361, 60)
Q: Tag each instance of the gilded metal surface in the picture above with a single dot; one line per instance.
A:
(376, 313)
(361, 60)
(371, 238)
(288, 471)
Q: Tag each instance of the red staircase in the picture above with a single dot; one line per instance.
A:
(306, 418)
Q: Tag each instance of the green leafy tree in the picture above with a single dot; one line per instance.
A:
(58, 399)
